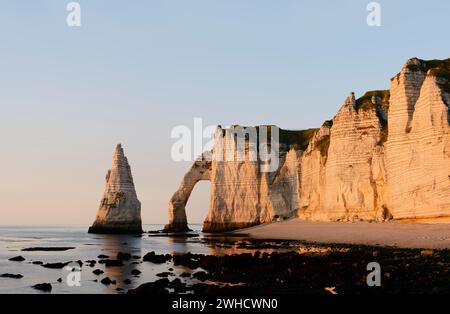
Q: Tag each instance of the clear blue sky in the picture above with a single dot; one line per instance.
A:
(135, 69)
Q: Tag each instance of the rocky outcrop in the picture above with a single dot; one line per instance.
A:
(120, 209)
(384, 155)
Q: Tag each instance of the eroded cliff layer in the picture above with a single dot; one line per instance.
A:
(120, 209)
(384, 155)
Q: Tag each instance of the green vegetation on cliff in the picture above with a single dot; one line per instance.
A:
(381, 106)
(365, 102)
(436, 68)
(299, 138)
(434, 64)
(323, 144)
(442, 70)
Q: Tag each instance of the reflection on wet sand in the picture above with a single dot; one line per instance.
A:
(111, 246)
(178, 244)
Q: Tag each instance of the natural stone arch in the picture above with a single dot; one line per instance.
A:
(201, 170)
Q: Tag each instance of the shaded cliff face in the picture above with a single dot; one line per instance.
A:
(120, 209)
(384, 155)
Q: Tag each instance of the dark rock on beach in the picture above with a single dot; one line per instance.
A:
(47, 249)
(110, 262)
(123, 256)
(189, 260)
(157, 287)
(135, 272)
(17, 259)
(46, 287)
(177, 285)
(156, 259)
(174, 283)
(102, 256)
(55, 265)
(200, 275)
(37, 262)
(14, 276)
(107, 281)
(98, 272)
(113, 263)
(310, 268)
(91, 263)
(164, 274)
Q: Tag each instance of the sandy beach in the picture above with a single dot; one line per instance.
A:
(398, 234)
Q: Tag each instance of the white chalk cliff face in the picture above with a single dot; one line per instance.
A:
(385, 155)
(242, 195)
(120, 209)
(343, 178)
(418, 146)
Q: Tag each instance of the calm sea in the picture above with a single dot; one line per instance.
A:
(87, 247)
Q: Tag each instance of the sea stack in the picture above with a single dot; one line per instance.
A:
(120, 209)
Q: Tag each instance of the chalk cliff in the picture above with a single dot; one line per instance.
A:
(384, 155)
(242, 193)
(418, 146)
(120, 209)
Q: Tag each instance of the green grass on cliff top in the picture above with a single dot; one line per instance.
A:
(437, 68)
(300, 139)
(365, 101)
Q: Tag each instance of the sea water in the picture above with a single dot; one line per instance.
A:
(87, 247)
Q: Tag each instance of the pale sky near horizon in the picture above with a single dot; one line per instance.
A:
(136, 69)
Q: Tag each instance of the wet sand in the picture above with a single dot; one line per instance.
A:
(397, 234)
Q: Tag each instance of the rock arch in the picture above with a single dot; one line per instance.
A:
(200, 171)
(243, 193)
